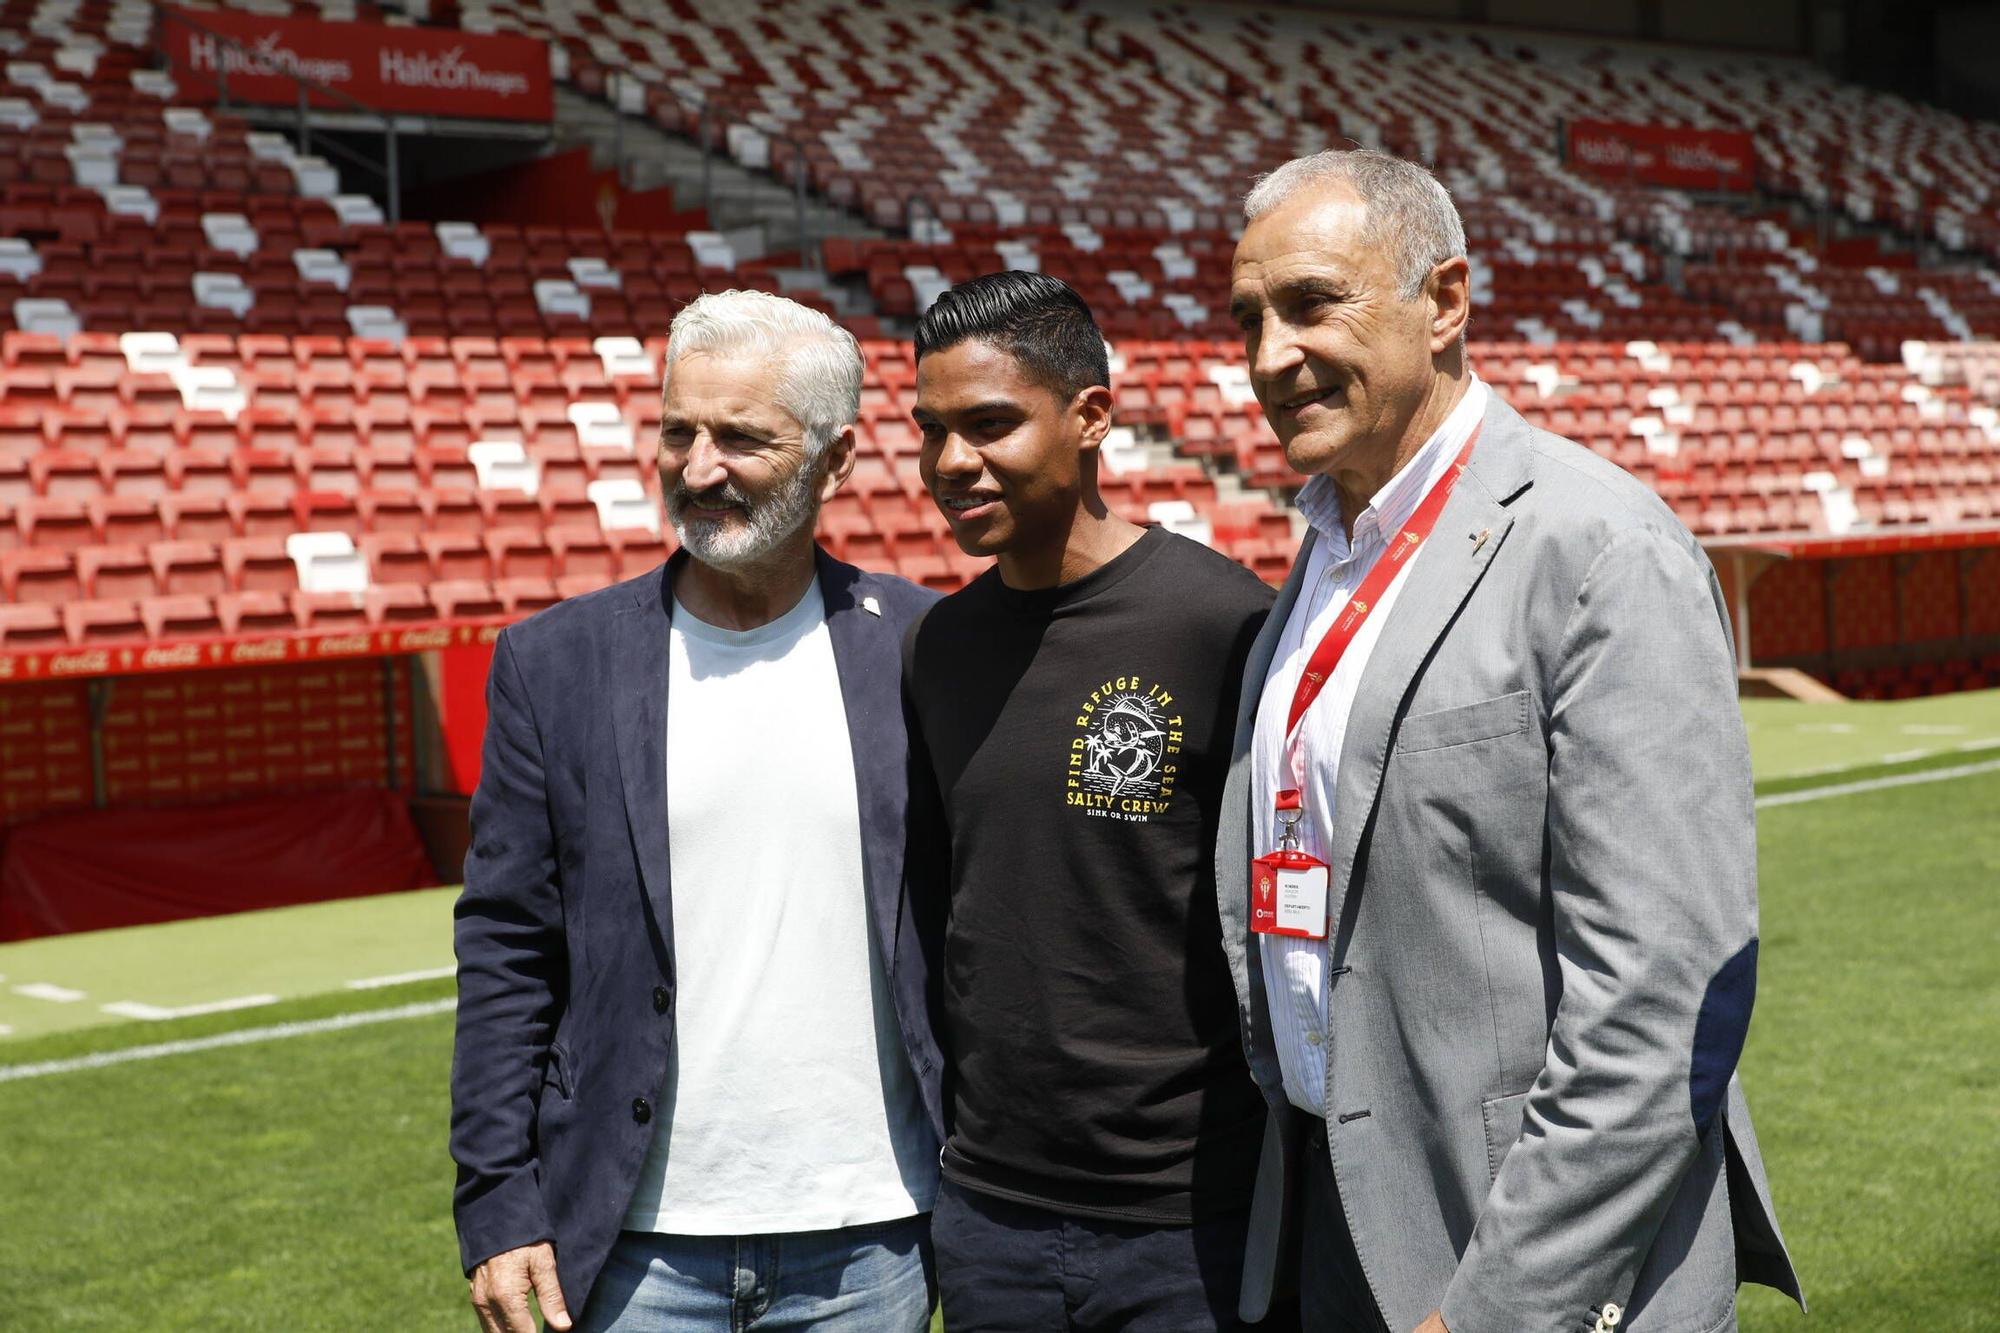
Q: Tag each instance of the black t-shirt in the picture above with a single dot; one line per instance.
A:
(1076, 739)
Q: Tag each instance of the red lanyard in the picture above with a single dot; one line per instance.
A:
(1402, 548)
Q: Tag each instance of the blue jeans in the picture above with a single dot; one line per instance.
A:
(867, 1279)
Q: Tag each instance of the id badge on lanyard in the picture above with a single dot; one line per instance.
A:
(1288, 887)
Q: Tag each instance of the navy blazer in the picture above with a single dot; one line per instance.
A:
(565, 928)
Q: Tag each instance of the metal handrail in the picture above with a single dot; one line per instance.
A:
(712, 125)
(386, 169)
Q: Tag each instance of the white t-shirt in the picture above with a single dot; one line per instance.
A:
(789, 1104)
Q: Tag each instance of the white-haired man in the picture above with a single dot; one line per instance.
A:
(1488, 858)
(694, 1085)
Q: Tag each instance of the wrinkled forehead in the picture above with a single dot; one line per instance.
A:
(732, 385)
(1320, 231)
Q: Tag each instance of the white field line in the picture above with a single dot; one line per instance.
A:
(398, 978)
(1848, 766)
(241, 1037)
(1877, 784)
(42, 990)
(153, 1013)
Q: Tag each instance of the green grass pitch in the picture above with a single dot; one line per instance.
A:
(303, 1183)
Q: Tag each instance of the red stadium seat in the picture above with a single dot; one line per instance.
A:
(37, 625)
(114, 620)
(179, 617)
(465, 599)
(259, 564)
(187, 568)
(39, 575)
(115, 571)
(399, 603)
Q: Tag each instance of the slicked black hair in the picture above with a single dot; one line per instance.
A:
(1038, 320)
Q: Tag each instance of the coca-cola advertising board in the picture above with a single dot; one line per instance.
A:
(427, 71)
(1664, 154)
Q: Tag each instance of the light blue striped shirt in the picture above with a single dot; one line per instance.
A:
(1295, 970)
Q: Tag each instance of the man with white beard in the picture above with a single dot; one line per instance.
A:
(695, 1084)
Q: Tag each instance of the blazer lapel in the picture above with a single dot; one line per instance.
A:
(1445, 573)
(1232, 844)
(638, 689)
(866, 650)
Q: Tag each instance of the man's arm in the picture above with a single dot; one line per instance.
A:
(1652, 847)
(927, 849)
(511, 965)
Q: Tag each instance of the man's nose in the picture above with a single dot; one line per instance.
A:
(1273, 350)
(703, 467)
(957, 459)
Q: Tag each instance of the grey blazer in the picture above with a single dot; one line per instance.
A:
(1545, 923)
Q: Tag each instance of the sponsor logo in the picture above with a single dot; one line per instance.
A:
(344, 645)
(259, 650)
(263, 56)
(447, 70)
(415, 640)
(175, 655)
(96, 661)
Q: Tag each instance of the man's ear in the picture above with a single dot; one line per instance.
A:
(838, 464)
(1092, 409)
(1450, 289)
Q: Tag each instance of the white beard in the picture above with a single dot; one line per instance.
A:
(769, 523)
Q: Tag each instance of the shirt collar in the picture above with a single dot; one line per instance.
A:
(1399, 497)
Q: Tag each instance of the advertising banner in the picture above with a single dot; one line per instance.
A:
(425, 71)
(1663, 154)
(201, 651)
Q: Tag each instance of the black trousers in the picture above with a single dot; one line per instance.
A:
(1333, 1291)
(1006, 1267)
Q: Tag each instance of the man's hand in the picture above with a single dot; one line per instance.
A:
(1434, 1324)
(500, 1288)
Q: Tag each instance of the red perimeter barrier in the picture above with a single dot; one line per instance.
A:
(102, 868)
(204, 651)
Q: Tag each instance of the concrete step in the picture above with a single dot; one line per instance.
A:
(736, 198)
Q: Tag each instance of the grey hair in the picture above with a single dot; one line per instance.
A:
(818, 376)
(1407, 207)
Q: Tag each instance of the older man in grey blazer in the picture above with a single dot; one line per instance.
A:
(1496, 702)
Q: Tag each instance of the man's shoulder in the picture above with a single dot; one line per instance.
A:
(576, 619)
(1582, 501)
(1199, 568)
(901, 600)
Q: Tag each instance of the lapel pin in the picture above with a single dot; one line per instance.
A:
(871, 606)
(1479, 539)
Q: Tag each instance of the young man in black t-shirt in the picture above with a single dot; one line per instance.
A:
(1072, 711)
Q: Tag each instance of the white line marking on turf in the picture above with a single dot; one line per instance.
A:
(153, 1013)
(241, 1037)
(1877, 784)
(6, 1030)
(398, 978)
(42, 990)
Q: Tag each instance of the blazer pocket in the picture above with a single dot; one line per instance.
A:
(1483, 721)
(1502, 1116)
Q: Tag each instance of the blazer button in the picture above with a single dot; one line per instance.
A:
(642, 1110)
(661, 1000)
